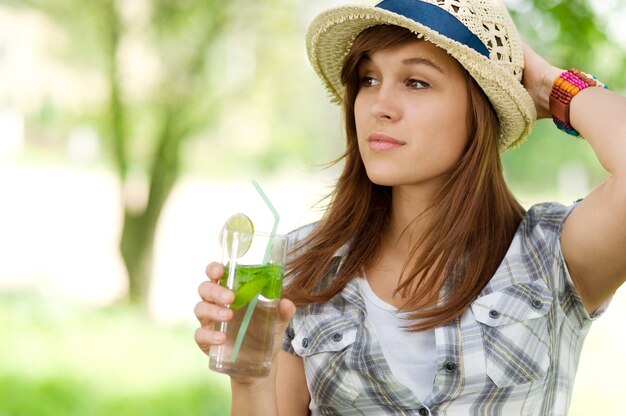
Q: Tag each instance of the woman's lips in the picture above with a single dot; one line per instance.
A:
(381, 142)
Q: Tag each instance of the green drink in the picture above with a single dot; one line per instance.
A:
(253, 280)
(249, 343)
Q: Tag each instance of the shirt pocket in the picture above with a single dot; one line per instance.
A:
(323, 342)
(322, 334)
(514, 325)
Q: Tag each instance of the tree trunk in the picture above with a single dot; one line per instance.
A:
(136, 246)
(138, 230)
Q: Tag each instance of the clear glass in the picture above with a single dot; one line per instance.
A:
(256, 278)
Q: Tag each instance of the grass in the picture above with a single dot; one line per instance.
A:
(62, 359)
(58, 358)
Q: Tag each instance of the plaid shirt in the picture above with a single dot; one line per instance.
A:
(514, 351)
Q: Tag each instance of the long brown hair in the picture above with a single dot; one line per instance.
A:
(473, 217)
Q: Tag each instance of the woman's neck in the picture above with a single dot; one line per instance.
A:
(409, 216)
(409, 220)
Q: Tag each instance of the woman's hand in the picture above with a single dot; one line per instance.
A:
(539, 75)
(212, 308)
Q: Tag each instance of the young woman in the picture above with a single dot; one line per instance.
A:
(426, 289)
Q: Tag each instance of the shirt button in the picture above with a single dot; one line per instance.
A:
(337, 336)
(537, 304)
(423, 411)
(450, 366)
(494, 314)
(305, 342)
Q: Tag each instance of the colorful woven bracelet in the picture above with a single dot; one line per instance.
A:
(565, 87)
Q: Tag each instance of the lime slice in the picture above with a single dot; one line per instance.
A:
(242, 225)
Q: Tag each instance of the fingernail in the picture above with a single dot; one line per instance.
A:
(225, 296)
(219, 337)
(223, 313)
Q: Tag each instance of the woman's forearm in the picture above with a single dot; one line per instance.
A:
(600, 116)
(252, 399)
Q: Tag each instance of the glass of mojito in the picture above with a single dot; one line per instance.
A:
(253, 270)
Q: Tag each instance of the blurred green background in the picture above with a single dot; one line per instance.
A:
(129, 131)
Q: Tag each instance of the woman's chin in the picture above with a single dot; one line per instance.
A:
(383, 178)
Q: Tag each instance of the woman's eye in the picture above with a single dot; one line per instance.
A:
(368, 82)
(417, 84)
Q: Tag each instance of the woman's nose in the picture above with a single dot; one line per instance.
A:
(385, 105)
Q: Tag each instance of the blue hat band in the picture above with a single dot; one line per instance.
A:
(437, 19)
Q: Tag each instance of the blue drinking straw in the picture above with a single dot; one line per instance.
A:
(266, 258)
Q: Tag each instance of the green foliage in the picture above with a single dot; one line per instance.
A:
(82, 27)
(571, 34)
(535, 166)
(568, 34)
(63, 359)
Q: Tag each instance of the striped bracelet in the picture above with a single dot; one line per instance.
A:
(564, 88)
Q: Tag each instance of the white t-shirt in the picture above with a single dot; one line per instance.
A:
(412, 356)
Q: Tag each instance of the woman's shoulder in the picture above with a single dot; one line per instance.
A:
(298, 235)
(297, 239)
(549, 216)
(537, 239)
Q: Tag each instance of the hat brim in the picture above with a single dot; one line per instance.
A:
(332, 33)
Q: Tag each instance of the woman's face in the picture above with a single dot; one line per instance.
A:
(411, 114)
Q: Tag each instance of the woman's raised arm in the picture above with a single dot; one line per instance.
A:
(593, 239)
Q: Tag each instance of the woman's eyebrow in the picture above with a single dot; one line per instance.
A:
(422, 61)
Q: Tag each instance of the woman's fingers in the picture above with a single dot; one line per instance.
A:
(214, 271)
(206, 338)
(207, 313)
(286, 310)
(211, 308)
(210, 291)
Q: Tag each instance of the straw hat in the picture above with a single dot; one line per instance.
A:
(478, 33)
